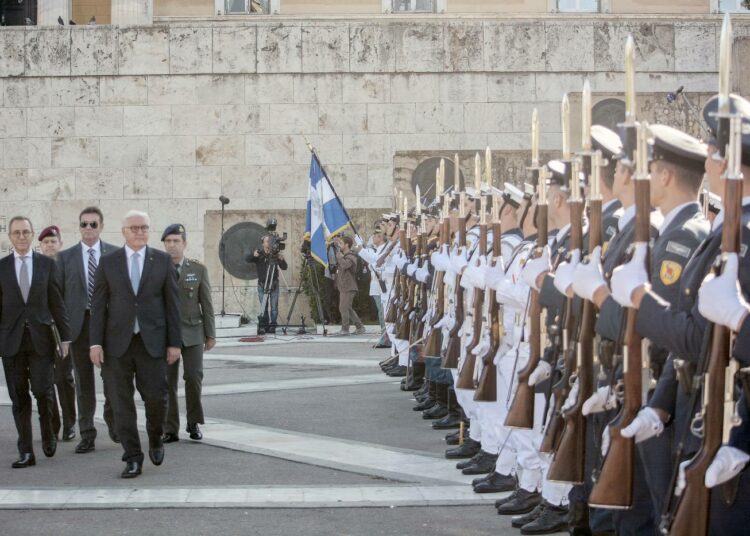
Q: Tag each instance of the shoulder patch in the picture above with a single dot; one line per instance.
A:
(670, 272)
(678, 249)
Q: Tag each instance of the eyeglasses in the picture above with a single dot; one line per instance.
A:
(92, 224)
(25, 233)
(135, 229)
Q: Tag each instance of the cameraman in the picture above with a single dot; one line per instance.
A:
(346, 283)
(264, 260)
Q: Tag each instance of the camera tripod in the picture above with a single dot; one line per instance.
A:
(313, 276)
(264, 318)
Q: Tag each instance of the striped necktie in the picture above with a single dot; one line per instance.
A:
(90, 276)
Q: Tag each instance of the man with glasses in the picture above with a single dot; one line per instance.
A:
(30, 303)
(135, 332)
(78, 265)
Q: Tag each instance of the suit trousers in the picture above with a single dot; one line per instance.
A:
(150, 380)
(192, 363)
(86, 385)
(24, 368)
(346, 299)
(66, 395)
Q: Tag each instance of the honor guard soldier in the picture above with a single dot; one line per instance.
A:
(198, 334)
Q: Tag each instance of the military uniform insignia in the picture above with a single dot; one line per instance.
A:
(670, 272)
(678, 249)
(743, 250)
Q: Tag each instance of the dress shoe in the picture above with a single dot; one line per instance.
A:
(423, 391)
(467, 450)
(413, 385)
(496, 483)
(448, 422)
(397, 372)
(84, 446)
(113, 435)
(423, 406)
(194, 431)
(68, 434)
(26, 460)
(485, 464)
(169, 437)
(553, 519)
(453, 438)
(519, 521)
(132, 470)
(156, 454)
(472, 461)
(49, 447)
(438, 411)
(520, 502)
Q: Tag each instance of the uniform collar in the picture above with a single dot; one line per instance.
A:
(627, 215)
(609, 203)
(672, 214)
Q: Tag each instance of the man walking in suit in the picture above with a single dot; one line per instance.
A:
(135, 333)
(30, 305)
(198, 332)
(77, 268)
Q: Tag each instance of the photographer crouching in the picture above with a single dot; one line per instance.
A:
(269, 260)
(345, 279)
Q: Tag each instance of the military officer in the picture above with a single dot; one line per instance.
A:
(198, 334)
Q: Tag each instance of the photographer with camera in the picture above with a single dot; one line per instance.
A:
(269, 260)
(345, 279)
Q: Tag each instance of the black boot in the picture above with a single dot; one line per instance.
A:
(553, 519)
(467, 450)
(440, 409)
(453, 438)
(397, 372)
(430, 400)
(453, 418)
(496, 483)
(519, 521)
(414, 378)
(422, 391)
(578, 519)
(520, 502)
(485, 464)
(388, 363)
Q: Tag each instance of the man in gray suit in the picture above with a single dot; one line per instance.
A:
(77, 266)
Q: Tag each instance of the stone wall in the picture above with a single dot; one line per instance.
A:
(167, 118)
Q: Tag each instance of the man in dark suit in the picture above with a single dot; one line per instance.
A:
(30, 304)
(198, 333)
(77, 268)
(135, 333)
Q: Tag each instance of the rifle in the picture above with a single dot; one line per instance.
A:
(435, 338)
(614, 487)
(453, 349)
(407, 299)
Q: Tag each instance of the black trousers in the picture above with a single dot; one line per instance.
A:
(24, 369)
(192, 363)
(86, 385)
(66, 395)
(150, 378)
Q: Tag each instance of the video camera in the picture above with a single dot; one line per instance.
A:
(276, 241)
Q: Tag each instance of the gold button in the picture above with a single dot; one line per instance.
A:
(687, 291)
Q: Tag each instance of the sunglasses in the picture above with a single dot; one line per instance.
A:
(92, 224)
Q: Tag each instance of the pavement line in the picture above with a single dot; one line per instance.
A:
(294, 360)
(283, 385)
(241, 497)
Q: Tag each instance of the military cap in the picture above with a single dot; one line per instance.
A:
(391, 216)
(606, 141)
(738, 105)
(174, 229)
(559, 171)
(513, 195)
(673, 145)
(52, 230)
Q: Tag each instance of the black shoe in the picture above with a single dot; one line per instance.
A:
(553, 519)
(448, 422)
(113, 435)
(520, 502)
(156, 454)
(578, 519)
(423, 391)
(474, 459)
(496, 483)
(485, 464)
(467, 450)
(84, 446)
(194, 431)
(438, 411)
(397, 372)
(424, 406)
(413, 385)
(49, 447)
(519, 521)
(169, 437)
(26, 460)
(132, 470)
(479, 479)
(68, 434)
(452, 438)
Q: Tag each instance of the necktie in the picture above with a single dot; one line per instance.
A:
(23, 280)
(90, 279)
(177, 267)
(135, 280)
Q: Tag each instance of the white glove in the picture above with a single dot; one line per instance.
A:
(720, 299)
(535, 267)
(494, 275)
(446, 324)
(440, 259)
(603, 399)
(572, 396)
(606, 439)
(646, 425)
(400, 260)
(681, 483)
(566, 271)
(630, 276)
(483, 346)
(358, 240)
(411, 268)
(542, 371)
(474, 274)
(727, 464)
(422, 274)
(588, 276)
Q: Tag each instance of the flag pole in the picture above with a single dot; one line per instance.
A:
(325, 174)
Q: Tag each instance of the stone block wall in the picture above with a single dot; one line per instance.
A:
(167, 118)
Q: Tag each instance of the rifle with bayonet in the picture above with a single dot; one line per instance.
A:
(435, 339)
(406, 305)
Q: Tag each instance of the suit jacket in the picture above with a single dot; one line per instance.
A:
(72, 273)
(114, 306)
(346, 274)
(45, 305)
(196, 308)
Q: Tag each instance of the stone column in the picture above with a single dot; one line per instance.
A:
(132, 12)
(47, 12)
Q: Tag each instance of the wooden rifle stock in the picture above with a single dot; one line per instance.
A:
(453, 349)
(466, 375)
(435, 339)
(554, 430)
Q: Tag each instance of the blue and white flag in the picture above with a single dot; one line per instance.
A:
(326, 216)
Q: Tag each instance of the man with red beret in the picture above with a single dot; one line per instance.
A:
(50, 241)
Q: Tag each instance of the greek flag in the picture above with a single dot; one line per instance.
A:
(326, 215)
